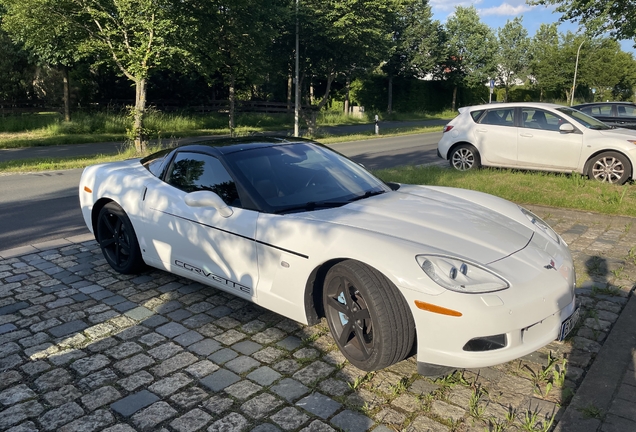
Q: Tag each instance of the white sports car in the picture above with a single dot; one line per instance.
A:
(469, 279)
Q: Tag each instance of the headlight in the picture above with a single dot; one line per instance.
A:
(541, 224)
(460, 275)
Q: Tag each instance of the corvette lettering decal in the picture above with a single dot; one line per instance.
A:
(227, 282)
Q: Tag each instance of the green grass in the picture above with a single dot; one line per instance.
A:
(548, 189)
(47, 129)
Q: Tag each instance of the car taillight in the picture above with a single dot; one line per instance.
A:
(447, 128)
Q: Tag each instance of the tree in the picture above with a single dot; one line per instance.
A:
(51, 40)
(604, 66)
(15, 69)
(547, 66)
(342, 38)
(233, 37)
(513, 54)
(598, 16)
(417, 44)
(471, 49)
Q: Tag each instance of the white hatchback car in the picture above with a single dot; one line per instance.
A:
(538, 136)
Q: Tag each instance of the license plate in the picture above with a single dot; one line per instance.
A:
(569, 323)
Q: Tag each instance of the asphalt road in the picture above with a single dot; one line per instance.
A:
(44, 206)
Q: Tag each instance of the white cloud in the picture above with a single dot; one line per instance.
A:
(449, 5)
(505, 9)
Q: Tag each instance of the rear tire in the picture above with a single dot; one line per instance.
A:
(117, 239)
(465, 157)
(367, 315)
(610, 167)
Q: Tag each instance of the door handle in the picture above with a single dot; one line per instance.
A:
(527, 135)
(482, 130)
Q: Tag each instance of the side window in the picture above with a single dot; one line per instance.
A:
(626, 110)
(499, 117)
(476, 114)
(540, 119)
(192, 172)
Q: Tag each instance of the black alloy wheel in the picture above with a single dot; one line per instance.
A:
(117, 239)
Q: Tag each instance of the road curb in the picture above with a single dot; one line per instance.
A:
(50, 244)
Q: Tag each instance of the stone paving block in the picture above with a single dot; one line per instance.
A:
(27, 426)
(179, 315)
(67, 393)
(171, 330)
(350, 421)
(133, 364)
(196, 321)
(269, 335)
(92, 422)
(6, 328)
(169, 385)
(153, 415)
(242, 389)
(154, 321)
(220, 379)
(132, 332)
(60, 416)
(173, 364)
(205, 347)
(16, 394)
(165, 351)
(18, 413)
(9, 348)
(139, 313)
(290, 418)
(97, 379)
(52, 380)
(318, 426)
(134, 402)
(242, 364)
(266, 427)
(260, 405)
(102, 344)
(290, 389)
(66, 356)
(202, 368)
(313, 372)
(246, 347)
(319, 405)
(190, 397)
(151, 339)
(188, 338)
(264, 375)
(191, 421)
(12, 308)
(290, 343)
(123, 350)
(100, 397)
(223, 356)
(136, 380)
(87, 365)
(232, 422)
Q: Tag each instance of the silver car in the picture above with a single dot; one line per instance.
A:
(538, 136)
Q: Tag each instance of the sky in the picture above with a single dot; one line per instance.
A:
(495, 13)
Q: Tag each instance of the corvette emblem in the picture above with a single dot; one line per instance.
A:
(551, 265)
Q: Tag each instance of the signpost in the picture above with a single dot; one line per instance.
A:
(492, 89)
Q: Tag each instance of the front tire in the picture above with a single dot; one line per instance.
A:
(465, 157)
(367, 315)
(610, 167)
(117, 239)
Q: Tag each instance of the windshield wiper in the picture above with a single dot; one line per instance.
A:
(313, 205)
(367, 194)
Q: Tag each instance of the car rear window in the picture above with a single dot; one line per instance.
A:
(476, 114)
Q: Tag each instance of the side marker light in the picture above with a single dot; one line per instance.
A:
(436, 309)
(87, 189)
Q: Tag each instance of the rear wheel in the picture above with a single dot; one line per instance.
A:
(116, 237)
(610, 167)
(465, 157)
(367, 315)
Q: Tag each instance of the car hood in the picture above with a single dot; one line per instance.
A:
(441, 222)
(619, 133)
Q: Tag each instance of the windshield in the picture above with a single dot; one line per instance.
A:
(301, 177)
(584, 119)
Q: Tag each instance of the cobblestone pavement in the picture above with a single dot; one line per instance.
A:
(83, 348)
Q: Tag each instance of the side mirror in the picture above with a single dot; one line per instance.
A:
(208, 199)
(566, 127)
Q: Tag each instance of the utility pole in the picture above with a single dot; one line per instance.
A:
(296, 79)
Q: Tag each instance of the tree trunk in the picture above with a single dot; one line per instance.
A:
(454, 104)
(290, 87)
(389, 108)
(232, 102)
(506, 93)
(311, 90)
(67, 95)
(346, 101)
(140, 111)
